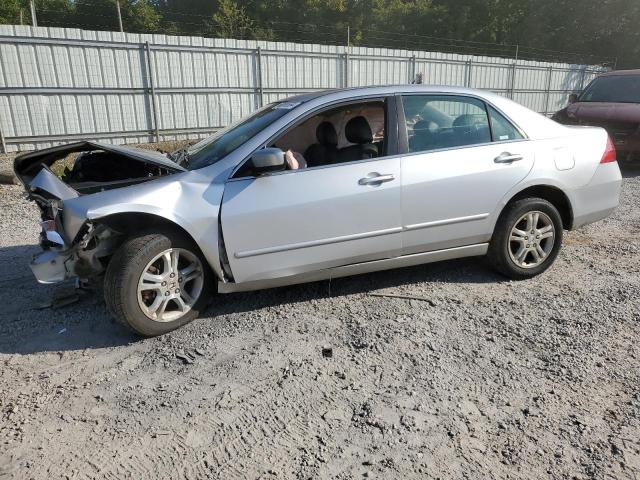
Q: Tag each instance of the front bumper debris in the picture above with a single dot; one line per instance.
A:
(50, 266)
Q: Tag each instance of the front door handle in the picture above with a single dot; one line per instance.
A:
(506, 157)
(376, 179)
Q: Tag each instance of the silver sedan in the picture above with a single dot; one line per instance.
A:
(317, 186)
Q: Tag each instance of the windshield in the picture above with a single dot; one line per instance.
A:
(214, 148)
(618, 89)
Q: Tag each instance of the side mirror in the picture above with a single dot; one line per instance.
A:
(573, 98)
(267, 160)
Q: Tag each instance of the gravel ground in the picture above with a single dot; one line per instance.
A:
(476, 378)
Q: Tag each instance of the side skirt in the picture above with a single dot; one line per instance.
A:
(358, 268)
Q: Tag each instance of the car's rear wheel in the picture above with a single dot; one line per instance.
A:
(527, 238)
(156, 283)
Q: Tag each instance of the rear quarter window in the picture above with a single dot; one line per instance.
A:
(503, 130)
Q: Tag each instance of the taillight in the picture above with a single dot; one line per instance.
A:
(609, 152)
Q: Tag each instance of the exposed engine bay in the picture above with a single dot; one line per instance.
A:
(101, 170)
(98, 167)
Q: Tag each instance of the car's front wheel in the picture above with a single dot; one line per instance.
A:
(156, 283)
(527, 238)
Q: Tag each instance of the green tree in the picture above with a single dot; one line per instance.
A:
(139, 16)
(591, 28)
(10, 11)
(232, 21)
(55, 13)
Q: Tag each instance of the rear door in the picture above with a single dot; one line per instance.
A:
(300, 221)
(462, 157)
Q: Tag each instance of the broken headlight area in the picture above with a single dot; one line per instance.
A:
(86, 258)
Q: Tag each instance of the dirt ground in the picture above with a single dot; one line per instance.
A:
(477, 377)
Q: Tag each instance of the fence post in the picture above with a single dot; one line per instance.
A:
(259, 77)
(513, 80)
(548, 93)
(34, 19)
(467, 81)
(154, 106)
(119, 15)
(2, 142)
(412, 69)
(346, 68)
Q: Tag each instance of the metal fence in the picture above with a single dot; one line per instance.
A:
(59, 85)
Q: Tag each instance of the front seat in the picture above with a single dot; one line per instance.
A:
(423, 137)
(326, 150)
(359, 132)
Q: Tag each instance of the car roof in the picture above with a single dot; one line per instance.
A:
(616, 73)
(383, 90)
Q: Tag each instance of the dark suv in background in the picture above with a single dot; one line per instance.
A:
(611, 101)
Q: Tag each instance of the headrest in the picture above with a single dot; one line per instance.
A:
(464, 121)
(358, 130)
(422, 126)
(326, 134)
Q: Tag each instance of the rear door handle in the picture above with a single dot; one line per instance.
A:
(506, 157)
(376, 178)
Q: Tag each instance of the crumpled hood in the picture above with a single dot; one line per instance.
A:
(604, 112)
(27, 165)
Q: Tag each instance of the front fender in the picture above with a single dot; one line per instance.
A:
(190, 200)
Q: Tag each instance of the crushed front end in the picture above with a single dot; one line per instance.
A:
(66, 254)
(72, 245)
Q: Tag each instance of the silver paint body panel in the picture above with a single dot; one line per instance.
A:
(310, 223)
(357, 268)
(312, 219)
(448, 196)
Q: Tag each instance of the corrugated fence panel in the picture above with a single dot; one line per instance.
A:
(59, 85)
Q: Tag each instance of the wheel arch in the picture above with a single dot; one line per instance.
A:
(131, 222)
(554, 195)
(128, 223)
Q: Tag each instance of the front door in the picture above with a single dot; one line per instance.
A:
(300, 221)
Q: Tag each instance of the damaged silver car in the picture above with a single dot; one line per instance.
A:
(317, 186)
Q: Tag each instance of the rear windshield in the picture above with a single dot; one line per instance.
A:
(219, 145)
(619, 89)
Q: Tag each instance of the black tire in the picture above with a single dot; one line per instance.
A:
(499, 255)
(124, 272)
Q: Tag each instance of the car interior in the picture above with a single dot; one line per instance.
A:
(357, 131)
(434, 124)
(343, 134)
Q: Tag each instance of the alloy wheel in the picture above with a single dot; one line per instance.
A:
(170, 285)
(531, 239)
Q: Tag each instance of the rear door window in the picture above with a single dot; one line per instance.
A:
(443, 121)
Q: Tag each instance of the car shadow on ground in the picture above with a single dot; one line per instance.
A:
(36, 317)
(630, 170)
(472, 270)
(50, 318)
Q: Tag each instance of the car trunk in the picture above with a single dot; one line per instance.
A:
(620, 120)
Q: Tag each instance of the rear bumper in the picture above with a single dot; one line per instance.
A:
(599, 198)
(50, 266)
